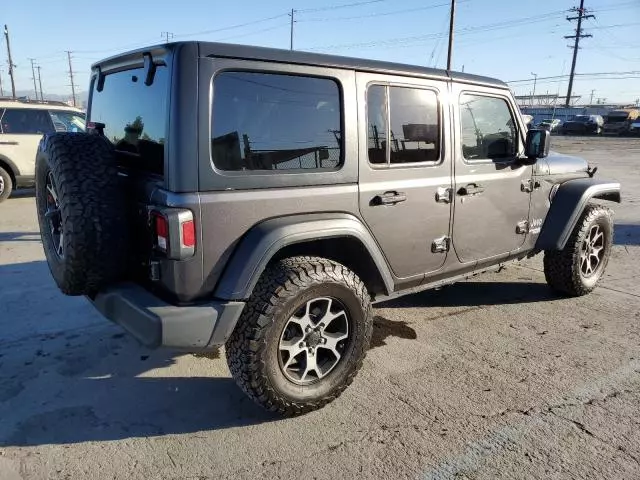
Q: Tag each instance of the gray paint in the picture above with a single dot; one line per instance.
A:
(156, 323)
(484, 225)
(264, 241)
(567, 206)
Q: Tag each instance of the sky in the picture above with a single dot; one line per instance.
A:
(507, 39)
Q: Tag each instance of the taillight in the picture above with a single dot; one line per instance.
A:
(188, 234)
(174, 232)
(161, 231)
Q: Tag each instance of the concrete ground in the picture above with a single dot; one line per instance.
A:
(495, 378)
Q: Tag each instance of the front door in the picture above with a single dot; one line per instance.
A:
(491, 183)
(403, 166)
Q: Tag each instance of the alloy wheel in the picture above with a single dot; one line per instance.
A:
(314, 340)
(592, 251)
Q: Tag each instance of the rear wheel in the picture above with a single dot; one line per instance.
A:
(303, 335)
(6, 184)
(576, 269)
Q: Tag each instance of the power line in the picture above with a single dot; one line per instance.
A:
(381, 14)
(337, 7)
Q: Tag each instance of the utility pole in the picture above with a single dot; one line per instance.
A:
(11, 65)
(40, 82)
(591, 99)
(292, 22)
(33, 76)
(73, 86)
(533, 95)
(452, 16)
(577, 36)
(1, 89)
(167, 36)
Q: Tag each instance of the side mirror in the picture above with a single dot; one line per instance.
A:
(537, 144)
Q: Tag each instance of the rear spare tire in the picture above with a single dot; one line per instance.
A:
(81, 211)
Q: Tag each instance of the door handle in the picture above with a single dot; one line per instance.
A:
(389, 198)
(471, 190)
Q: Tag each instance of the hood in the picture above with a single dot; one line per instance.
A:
(560, 164)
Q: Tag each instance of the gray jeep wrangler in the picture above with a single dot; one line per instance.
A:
(264, 199)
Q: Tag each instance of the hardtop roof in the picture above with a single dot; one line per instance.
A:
(248, 52)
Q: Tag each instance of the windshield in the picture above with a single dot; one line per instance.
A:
(581, 118)
(617, 118)
(134, 116)
(68, 121)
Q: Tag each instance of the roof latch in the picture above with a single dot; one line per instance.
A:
(149, 68)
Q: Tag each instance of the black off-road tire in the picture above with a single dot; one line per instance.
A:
(562, 268)
(92, 210)
(252, 349)
(6, 184)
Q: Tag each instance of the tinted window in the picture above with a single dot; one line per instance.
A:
(67, 121)
(26, 121)
(488, 130)
(134, 116)
(263, 121)
(377, 124)
(414, 127)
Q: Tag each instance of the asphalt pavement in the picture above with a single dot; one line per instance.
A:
(494, 378)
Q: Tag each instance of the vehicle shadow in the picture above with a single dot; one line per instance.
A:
(626, 234)
(19, 236)
(23, 193)
(126, 395)
(475, 293)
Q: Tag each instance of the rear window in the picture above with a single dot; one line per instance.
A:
(134, 116)
(265, 121)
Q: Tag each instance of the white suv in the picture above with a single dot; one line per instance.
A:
(22, 124)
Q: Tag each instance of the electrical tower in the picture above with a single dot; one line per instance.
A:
(10, 61)
(73, 86)
(291, 33)
(581, 15)
(167, 36)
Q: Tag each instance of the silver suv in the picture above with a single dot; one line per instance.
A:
(22, 124)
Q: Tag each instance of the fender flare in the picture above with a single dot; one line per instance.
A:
(568, 204)
(14, 168)
(264, 240)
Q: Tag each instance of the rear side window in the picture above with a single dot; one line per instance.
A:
(134, 116)
(265, 121)
(67, 121)
(409, 118)
(488, 128)
(26, 121)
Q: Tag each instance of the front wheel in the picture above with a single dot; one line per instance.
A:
(302, 336)
(576, 269)
(6, 184)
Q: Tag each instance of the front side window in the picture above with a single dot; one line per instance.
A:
(488, 129)
(26, 121)
(409, 118)
(265, 121)
(67, 121)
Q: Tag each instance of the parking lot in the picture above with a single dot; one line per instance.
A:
(492, 378)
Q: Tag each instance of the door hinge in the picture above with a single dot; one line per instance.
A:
(529, 185)
(444, 194)
(440, 244)
(522, 227)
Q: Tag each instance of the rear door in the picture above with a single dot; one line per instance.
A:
(405, 170)
(491, 184)
(22, 129)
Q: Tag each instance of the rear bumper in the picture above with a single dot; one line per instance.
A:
(156, 323)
